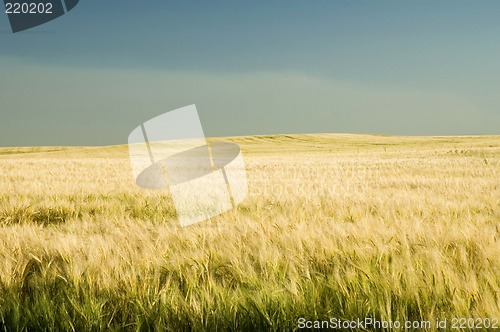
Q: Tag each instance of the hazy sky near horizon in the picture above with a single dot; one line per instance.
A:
(253, 67)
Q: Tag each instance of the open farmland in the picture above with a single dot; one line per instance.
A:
(334, 226)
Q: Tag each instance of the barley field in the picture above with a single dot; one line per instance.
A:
(334, 226)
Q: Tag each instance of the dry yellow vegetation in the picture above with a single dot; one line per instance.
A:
(335, 226)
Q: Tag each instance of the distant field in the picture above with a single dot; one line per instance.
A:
(335, 226)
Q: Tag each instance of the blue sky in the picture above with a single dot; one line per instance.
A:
(253, 67)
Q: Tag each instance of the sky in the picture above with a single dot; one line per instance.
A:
(253, 67)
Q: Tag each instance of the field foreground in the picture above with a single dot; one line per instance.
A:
(335, 226)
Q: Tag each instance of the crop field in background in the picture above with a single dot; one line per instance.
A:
(334, 226)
